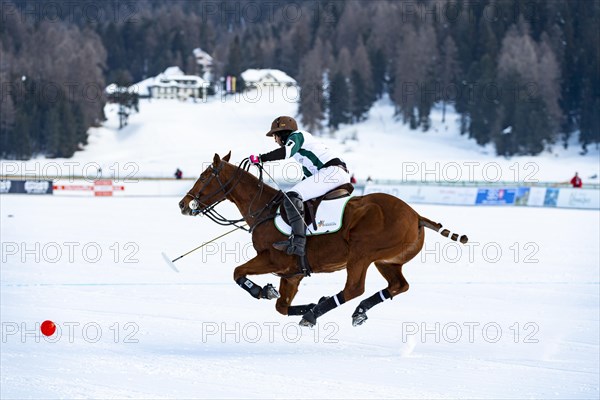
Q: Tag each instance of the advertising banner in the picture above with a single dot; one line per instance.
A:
(25, 186)
(427, 194)
(536, 196)
(493, 196)
(578, 198)
(551, 197)
(102, 187)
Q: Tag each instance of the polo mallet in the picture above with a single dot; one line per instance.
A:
(171, 263)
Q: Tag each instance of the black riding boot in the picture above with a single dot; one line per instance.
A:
(294, 207)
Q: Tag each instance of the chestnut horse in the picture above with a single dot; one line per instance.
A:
(377, 228)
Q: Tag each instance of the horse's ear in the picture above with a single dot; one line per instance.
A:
(227, 157)
(216, 160)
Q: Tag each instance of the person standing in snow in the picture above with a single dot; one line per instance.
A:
(323, 171)
(576, 181)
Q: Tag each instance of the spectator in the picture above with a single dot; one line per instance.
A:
(352, 179)
(369, 179)
(576, 181)
(178, 174)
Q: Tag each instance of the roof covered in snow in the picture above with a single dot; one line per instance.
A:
(202, 57)
(267, 75)
(142, 88)
(173, 71)
(171, 77)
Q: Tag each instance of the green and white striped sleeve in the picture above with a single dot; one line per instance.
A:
(293, 144)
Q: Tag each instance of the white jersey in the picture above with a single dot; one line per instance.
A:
(309, 152)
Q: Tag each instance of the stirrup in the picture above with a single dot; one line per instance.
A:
(290, 247)
(284, 245)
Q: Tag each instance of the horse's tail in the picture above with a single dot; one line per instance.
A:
(436, 226)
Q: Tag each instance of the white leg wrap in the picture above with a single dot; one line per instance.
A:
(337, 301)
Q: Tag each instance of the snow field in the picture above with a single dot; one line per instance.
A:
(521, 322)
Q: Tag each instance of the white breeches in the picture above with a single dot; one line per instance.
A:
(322, 182)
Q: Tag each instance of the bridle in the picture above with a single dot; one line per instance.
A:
(225, 188)
(208, 209)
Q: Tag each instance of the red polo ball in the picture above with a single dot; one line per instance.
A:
(48, 328)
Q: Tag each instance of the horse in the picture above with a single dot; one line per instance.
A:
(377, 229)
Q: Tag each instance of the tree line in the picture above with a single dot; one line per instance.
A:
(522, 74)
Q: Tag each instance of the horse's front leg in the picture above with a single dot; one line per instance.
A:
(289, 288)
(259, 265)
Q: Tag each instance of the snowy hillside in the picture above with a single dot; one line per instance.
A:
(169, 134)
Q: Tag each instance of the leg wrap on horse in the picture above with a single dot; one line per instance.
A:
(323, 307)
(249, 287)
(294, 207)
(377, 298)
(360, 314)
(300, 310)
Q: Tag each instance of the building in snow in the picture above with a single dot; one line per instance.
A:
(204, 60)
(142, 88)
(266, 77)
(172, 84)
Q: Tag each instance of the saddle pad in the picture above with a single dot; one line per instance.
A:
(329, 218)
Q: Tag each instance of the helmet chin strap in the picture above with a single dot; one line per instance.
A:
(282, 138)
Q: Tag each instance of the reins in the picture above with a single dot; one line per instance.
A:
(209, 209)
(226, 188)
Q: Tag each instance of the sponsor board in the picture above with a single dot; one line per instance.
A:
(26, 186)
(520, 196)
(427, 194)
(412, 194)
(102, 187)
(111, 188)
(578, 198)
(536, 196)
(493, 196)
(551, 197)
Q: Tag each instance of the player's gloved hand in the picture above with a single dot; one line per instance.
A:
(254, 159)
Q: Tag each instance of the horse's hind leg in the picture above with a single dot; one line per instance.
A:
(355, 286)
(397, 284)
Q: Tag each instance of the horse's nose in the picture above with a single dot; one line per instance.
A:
(181, 205)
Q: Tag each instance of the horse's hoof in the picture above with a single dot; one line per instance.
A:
(269, 292)
(304, 322)
(308, 319)
(358, 319)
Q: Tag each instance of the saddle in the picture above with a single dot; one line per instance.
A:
(311, 206)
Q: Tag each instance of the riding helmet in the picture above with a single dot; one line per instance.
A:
(283, 123)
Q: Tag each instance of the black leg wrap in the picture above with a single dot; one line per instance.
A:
(373, 300)
(323, 307)
(249, 287)
(300, 310)
(359, 316)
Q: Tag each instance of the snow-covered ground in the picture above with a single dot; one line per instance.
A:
(512, 315)
(168, 134)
